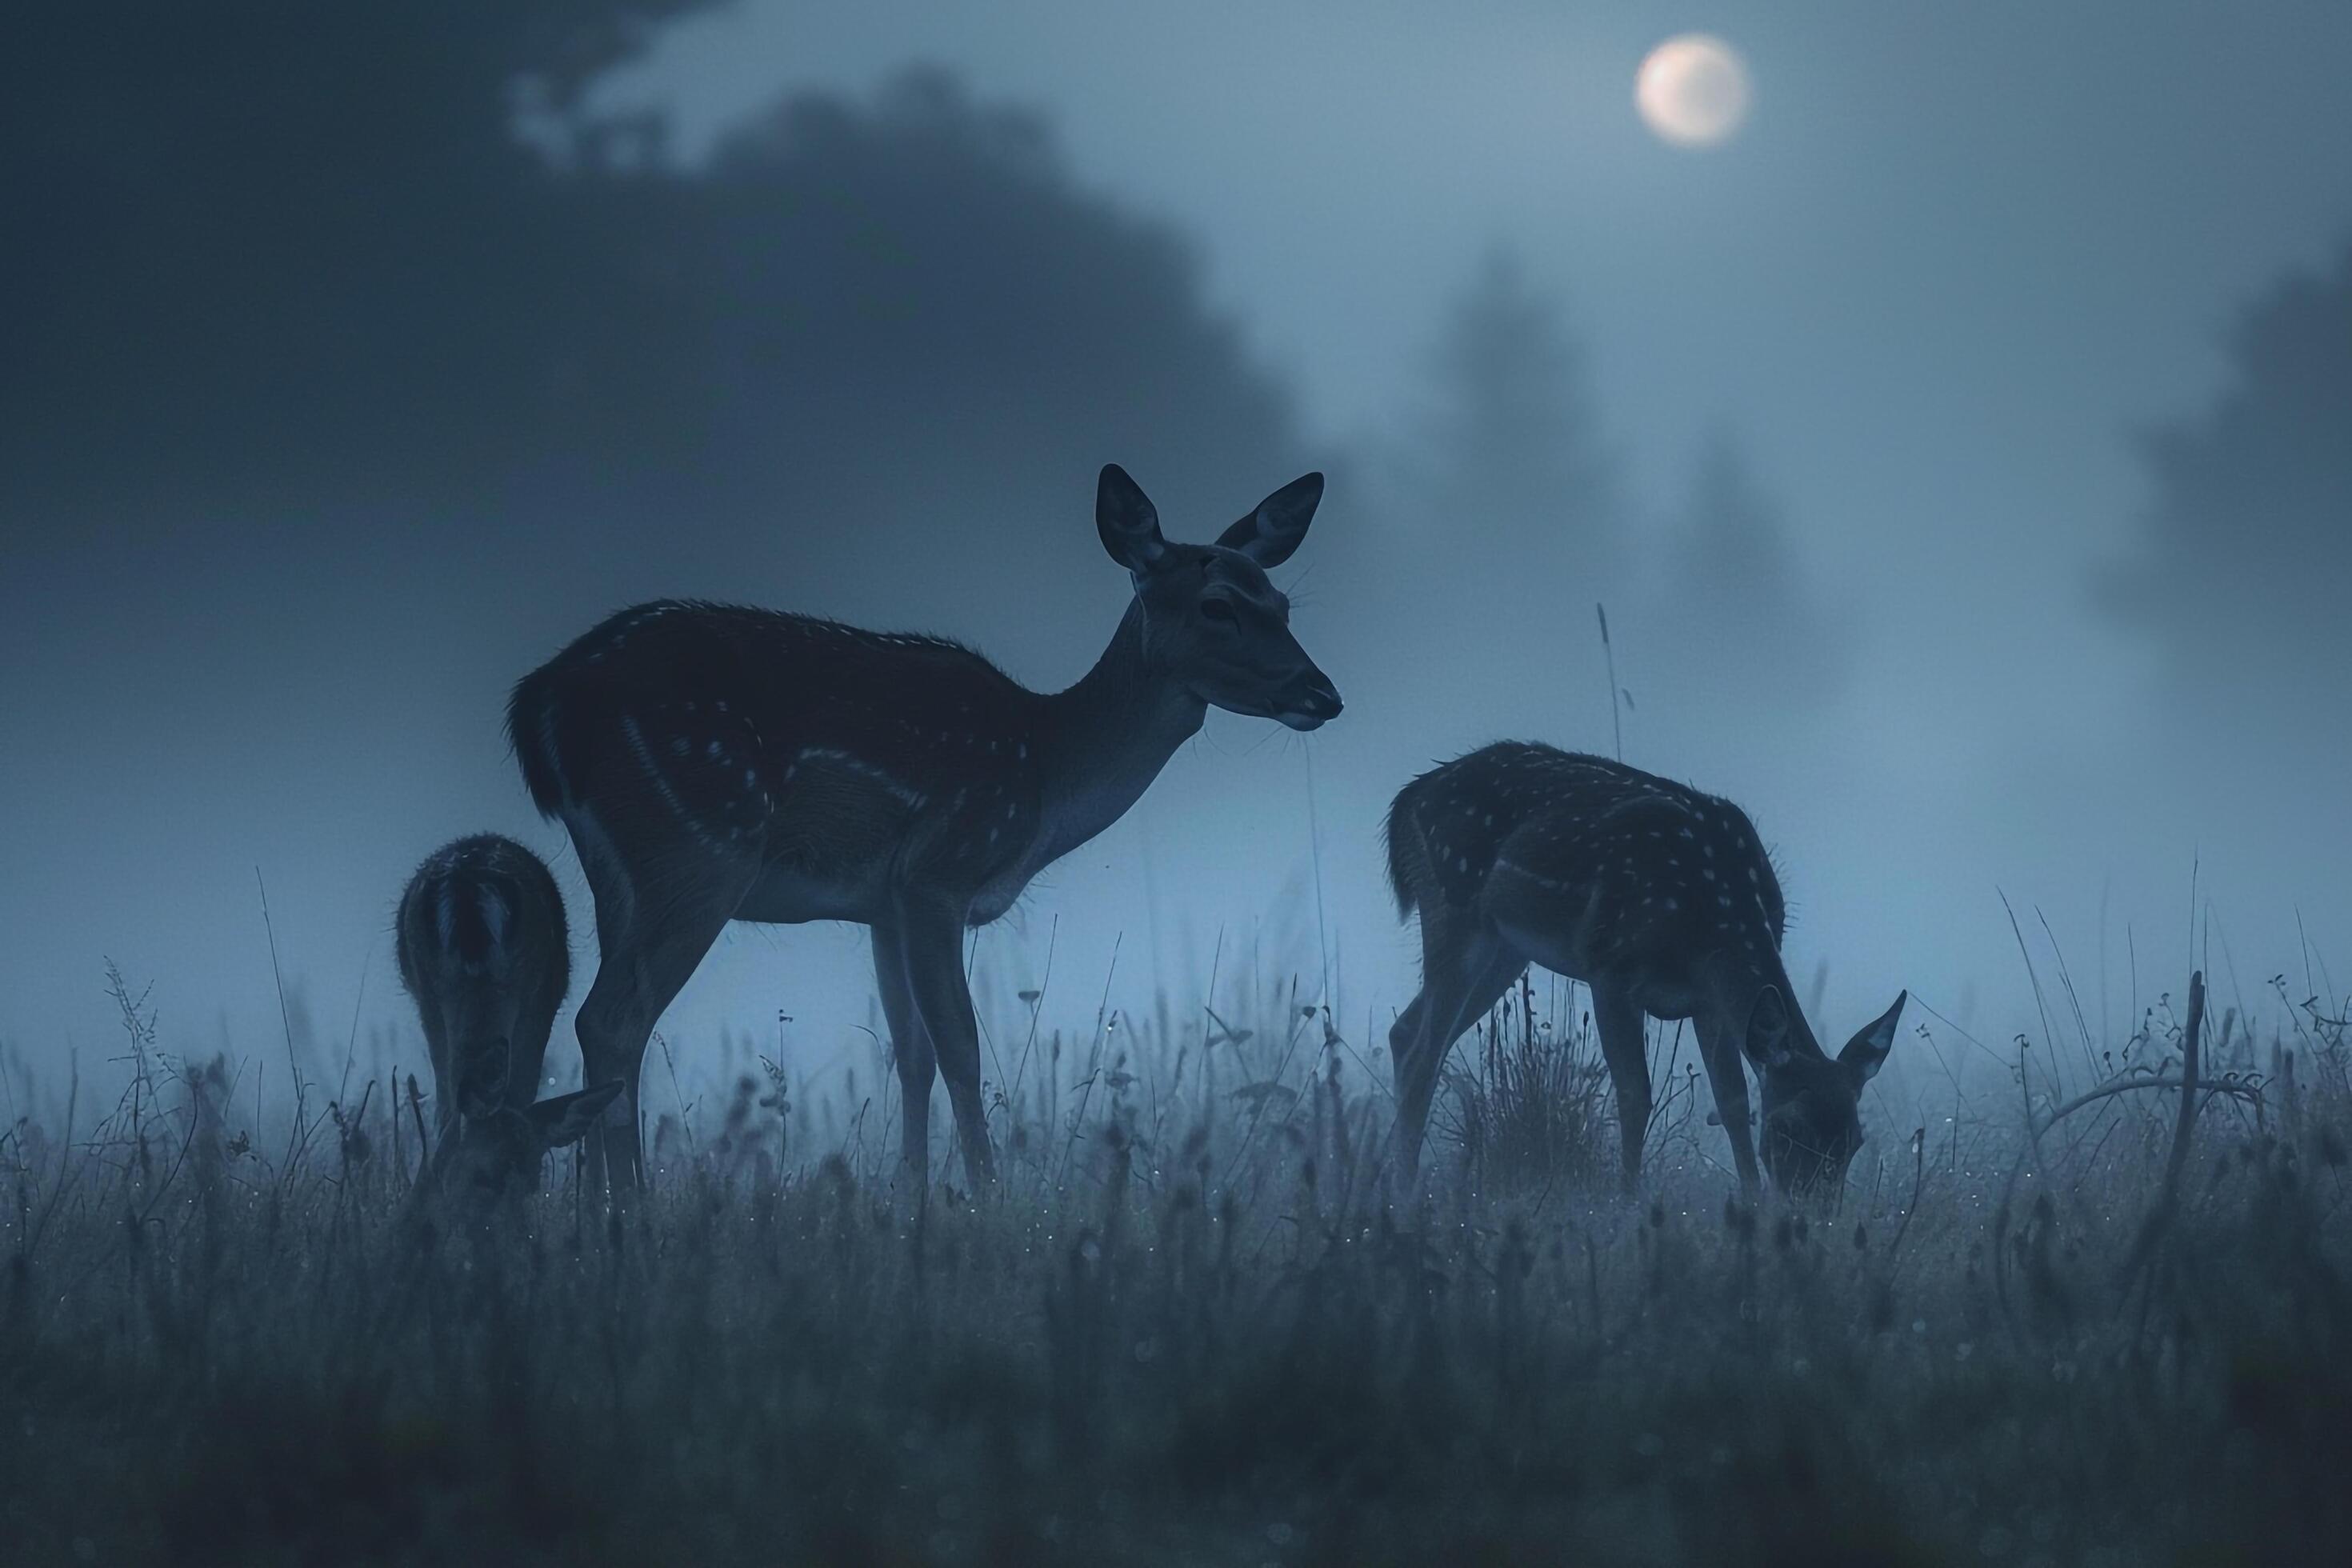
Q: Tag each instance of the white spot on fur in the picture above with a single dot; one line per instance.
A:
(636, 736)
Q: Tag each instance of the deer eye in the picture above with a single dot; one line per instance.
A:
(1217, 610)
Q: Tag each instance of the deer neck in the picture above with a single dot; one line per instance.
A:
(1102, 741)
(1733, 982)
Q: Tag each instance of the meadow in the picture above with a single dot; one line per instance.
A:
(2073, 1317)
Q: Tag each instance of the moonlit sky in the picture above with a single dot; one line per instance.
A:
(1956, 257)
(2084, 189)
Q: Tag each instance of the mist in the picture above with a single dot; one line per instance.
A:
(1963, 490)
(1927, 429)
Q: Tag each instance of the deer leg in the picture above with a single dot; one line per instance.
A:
(1727, 1076)
(1415, 1071)
(1404, 1041)
(1619, 1021)
(1463, 968)
(649, 951)
(932, 937)
(910, 1050)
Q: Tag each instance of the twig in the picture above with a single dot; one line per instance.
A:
(1918, 1182)
(424, 1144)
(685, 1113)
(2186, 1122)
(1609, 654)
(351, 1046)
(1020, 1069)
(1094, 1062)
(300, 1138)
(1315, 857)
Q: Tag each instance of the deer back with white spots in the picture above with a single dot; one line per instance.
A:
(714, 762)
(1662, 900)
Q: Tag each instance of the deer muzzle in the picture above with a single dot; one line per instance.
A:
(1308, 702)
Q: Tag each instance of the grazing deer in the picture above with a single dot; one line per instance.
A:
(717, 763)
(1660, 900)
(484, 954)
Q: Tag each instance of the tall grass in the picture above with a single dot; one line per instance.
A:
(1195, 1321)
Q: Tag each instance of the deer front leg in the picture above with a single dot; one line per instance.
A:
(910, 1050)
(1623, 1046)
(931, 934)
(1414, 1069)
(1727, 1076)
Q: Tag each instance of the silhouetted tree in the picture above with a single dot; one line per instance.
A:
(273, 261)
(328, 403)
(1519, 478)
(1731, 615)
(2242, 573)
(259, 251)
(907, 309)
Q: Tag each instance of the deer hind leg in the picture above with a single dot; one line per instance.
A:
(910, 1050)
(653, 928)
(931, 937)
(1623, 1046)
(1465, 966)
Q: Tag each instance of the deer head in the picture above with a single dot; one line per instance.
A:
(477, 965)
(1811, 1103)
(480, 1015)
(1212, 622)
(499, 1151)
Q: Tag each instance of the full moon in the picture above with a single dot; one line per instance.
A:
(1693, 90)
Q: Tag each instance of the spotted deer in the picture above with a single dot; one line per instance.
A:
(716, 763)
(484, 954)
(1661, 899)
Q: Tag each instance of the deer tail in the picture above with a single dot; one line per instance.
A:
(547, 737)
(1403, 841)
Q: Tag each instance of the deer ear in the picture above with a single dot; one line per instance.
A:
(1866, 1052)
(1766, 1042)
(1269, 534)
(1128, 522)
(567, 1118)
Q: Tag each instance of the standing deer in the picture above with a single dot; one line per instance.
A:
(717, 763)
(1660, 900)
(485, 956)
